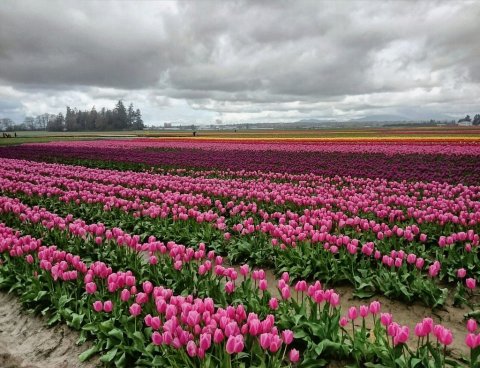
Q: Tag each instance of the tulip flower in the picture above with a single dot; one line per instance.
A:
(287, 336)
(471, 325)
(108, 306)
(229, 287)
(98, 306)
(273, 303)
(235, 344)
(125, 295)
(375, 307)
(135, 309)
(352, 313)
(191, 349)
(294, 356)
(386, 319)
(471, 283)
(91, 287)
(265, 340)
(471, 341)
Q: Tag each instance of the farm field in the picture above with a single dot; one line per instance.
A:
(249, 249)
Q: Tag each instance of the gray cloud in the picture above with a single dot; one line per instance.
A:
(242, 60)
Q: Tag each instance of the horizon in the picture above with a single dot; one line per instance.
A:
(326, 60)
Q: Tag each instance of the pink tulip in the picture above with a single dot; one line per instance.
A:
(135, 309)
(235, 344)
(98, 306)
(419, 263)
(471, 341)
(419, 330)
(285, 292)
(471, 325)
(157, 338)
(287, 336)
(155, 323)
(294, 355)
(191, 349)
(147, 287)
(141, 298)
(352, 313)
(445, 336)
(262, 285)
(386, 319)
(363, 311)
(273, 303)
(218, 336)
(411, 258)
(108, 306)
(229, 287)
(91, 287)
(334, 300)
(255, 327)
(205, 341)
(276, 344)
(125, 295)
(461, 273)
(392, 329)
(401, 336)
(427, 325)
(375, 307)
(244, 270)
(301, 286)
(265, 340)
(471, 283)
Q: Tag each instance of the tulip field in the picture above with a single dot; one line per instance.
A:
(184, 252)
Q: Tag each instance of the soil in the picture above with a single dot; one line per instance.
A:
(26, 341)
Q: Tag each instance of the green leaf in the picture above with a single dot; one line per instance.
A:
(106, 326)
(108, 357)
(118, 334)
(87, 354)
(329, 345)
(77, 320)
(139, 341)
(120, 361)
(314, 363)
(40, 295)
(90, 327)
(54, 319)
(363, 294)
(158, 361)
(414, 362)
(300, 334)
(64, 299)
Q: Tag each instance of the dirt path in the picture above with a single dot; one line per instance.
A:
(26, 342)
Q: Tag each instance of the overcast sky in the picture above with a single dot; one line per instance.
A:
(206, 61)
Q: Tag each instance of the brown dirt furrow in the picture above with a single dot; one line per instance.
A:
(26, 341)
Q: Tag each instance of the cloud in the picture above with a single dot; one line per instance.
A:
(241, 60)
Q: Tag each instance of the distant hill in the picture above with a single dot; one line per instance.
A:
(313, 121)
(382, 118)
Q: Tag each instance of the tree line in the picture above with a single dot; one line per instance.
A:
(468, 119)
(74, 120)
